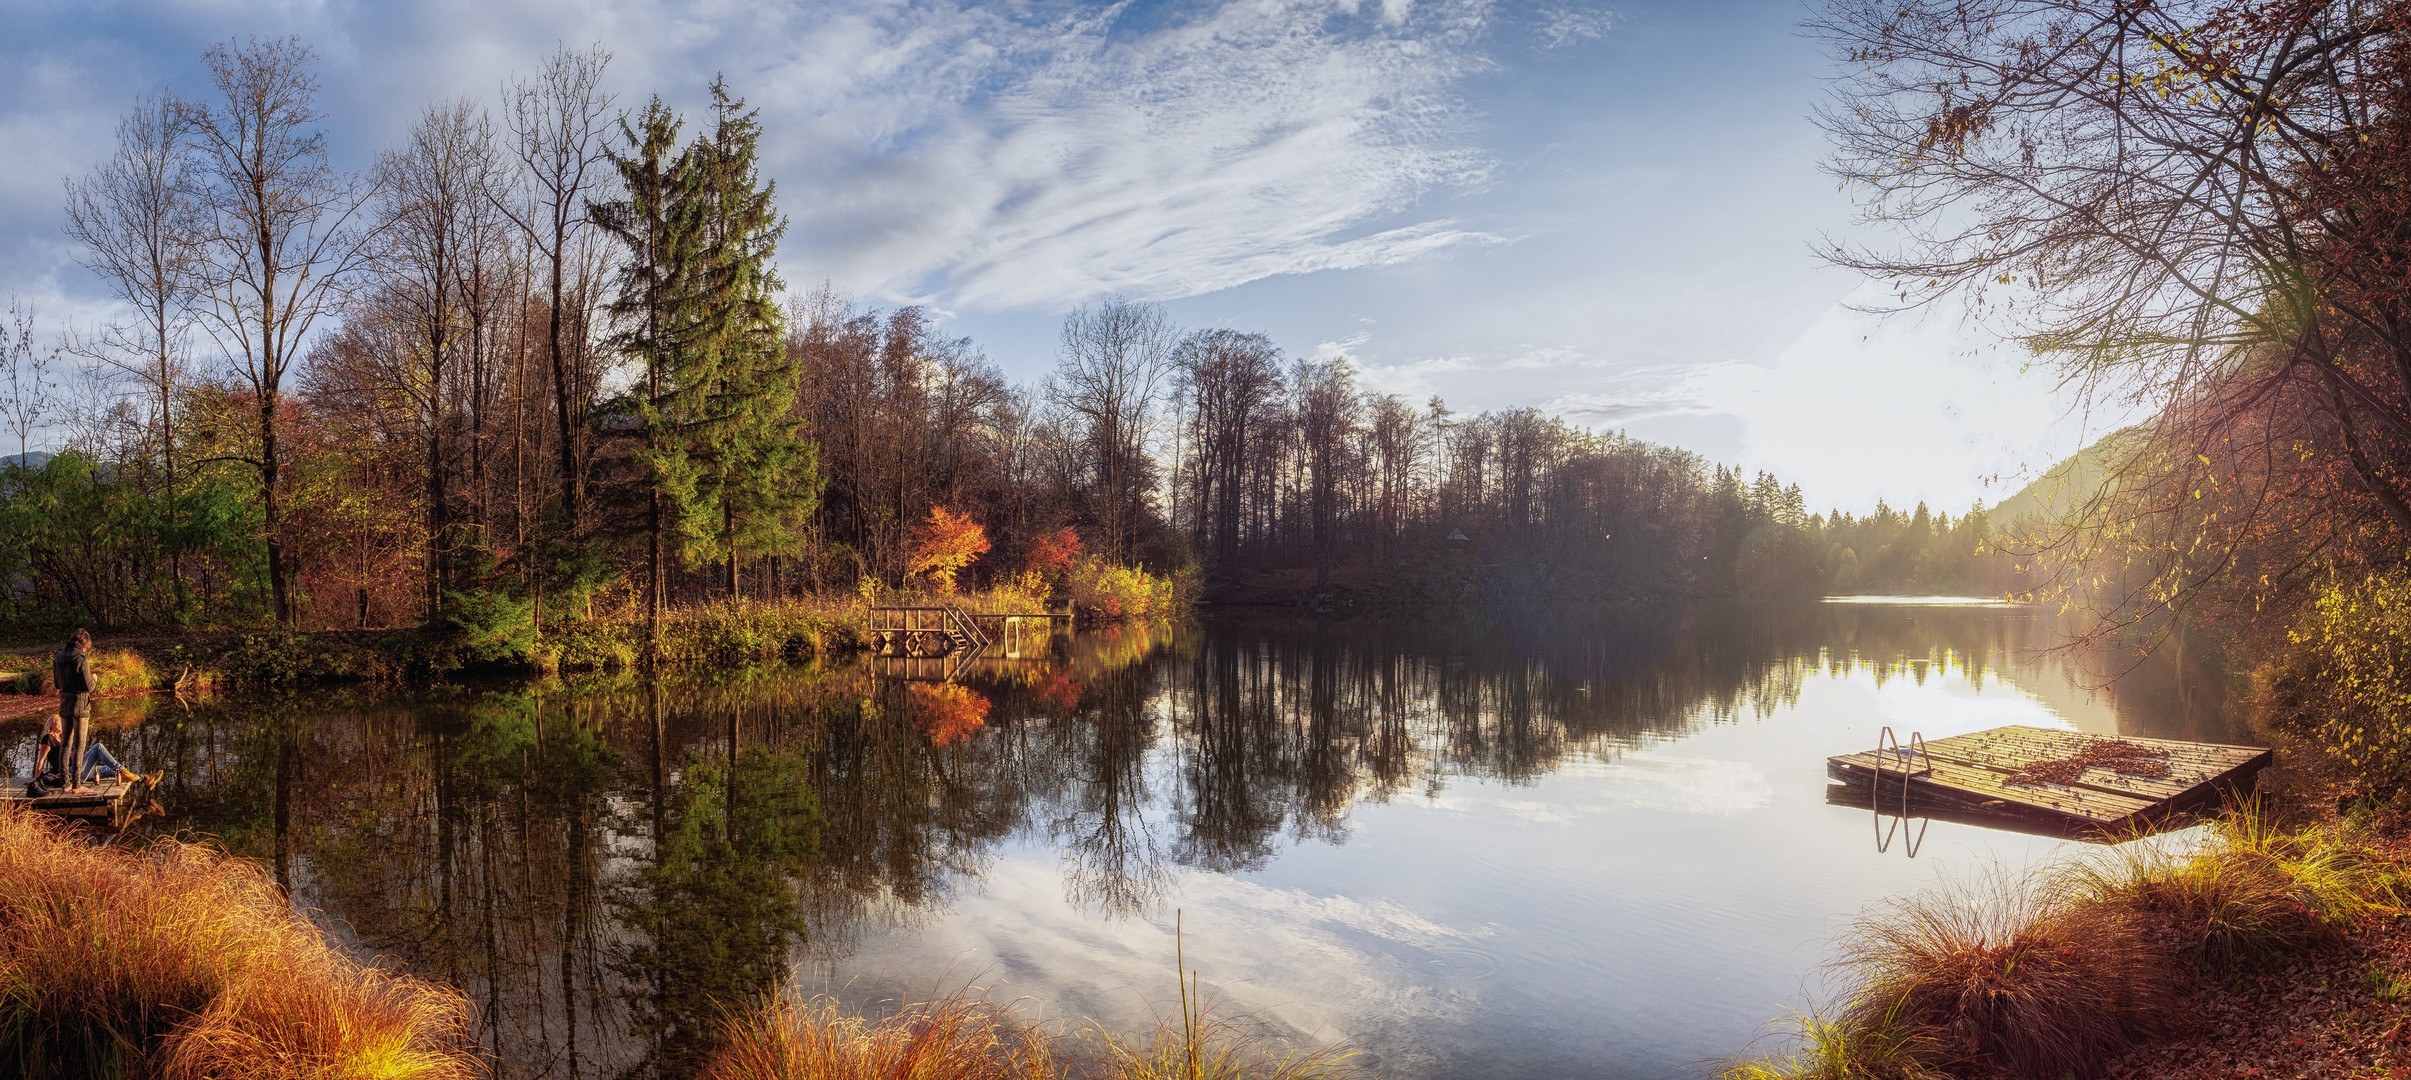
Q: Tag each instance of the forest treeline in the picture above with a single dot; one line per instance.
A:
(537, 362)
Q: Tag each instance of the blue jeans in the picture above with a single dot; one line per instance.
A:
(98, 756)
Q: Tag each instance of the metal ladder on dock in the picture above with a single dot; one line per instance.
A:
(1913, 762)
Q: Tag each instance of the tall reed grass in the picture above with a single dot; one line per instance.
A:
(179, 962)
(957, 1037)
(2053, 973)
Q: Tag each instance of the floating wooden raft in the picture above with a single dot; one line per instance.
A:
(1970, 773)
(115, 802)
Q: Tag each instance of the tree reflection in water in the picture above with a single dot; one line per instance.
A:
(605, 862)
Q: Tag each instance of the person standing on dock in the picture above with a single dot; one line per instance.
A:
(71, 670)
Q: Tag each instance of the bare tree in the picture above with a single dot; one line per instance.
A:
(1397, 445)
(280, 241)
(559, 132)
(1111, 362)
(140, 228)
(1327, 429)
(1232, 378)
(436, 188)
(28, 397)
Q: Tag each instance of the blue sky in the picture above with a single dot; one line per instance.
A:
(1604, 210)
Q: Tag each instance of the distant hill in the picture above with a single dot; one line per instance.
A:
(2067, 485)
(31, 459)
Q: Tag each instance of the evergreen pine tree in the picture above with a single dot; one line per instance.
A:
(662, 320)
(756, 467)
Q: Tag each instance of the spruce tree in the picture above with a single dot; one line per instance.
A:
(755, 465)
(661, 320)
(727, 472)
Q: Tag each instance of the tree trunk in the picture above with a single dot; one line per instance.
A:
(653, 575)
(573, 481)
(272, 515)
(728, 527)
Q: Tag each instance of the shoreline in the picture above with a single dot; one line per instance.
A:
(703, 635)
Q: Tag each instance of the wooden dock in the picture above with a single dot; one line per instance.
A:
(114, 803)
(2000, 774)
(935, 630)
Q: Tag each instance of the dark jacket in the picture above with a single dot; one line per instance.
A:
(71, 670)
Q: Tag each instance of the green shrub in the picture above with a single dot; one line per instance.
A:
(485, 626)
(715, 633)
(1111, 593)
(2345, 683)
(289, 656)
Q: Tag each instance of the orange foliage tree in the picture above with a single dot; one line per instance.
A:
(943, 545)
(948, 711)
(1049, 559)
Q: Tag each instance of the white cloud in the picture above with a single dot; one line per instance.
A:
(1058, 158)
(1560, 25)
(1639, 779)
(1322, 966)
(976, 155)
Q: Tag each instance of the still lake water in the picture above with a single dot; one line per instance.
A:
(1542, 846)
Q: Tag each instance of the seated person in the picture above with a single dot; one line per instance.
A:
(49, 770)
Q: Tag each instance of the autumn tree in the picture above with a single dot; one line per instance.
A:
(435, 190)
(281, 235)
(942, 545)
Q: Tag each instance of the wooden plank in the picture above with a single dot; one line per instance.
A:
(2024, 747)
(2064, 743)
(1976, 786)
(2180, 779)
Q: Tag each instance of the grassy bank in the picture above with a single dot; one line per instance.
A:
(697, 635)
(179, 962)
(2059, 972)
(114, 671)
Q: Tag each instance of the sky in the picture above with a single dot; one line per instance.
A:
(1608, 211)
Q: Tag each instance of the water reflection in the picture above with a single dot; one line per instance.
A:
(605, 862)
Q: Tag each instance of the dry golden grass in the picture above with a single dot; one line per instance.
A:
(182, 963)
(2011, 975)
(2053, 974)
(1205, 1047)
(961, 1036)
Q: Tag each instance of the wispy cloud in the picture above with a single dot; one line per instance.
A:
(1035, 159)
(1562, 25)
(1009, 155)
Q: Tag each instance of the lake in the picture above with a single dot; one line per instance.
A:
(1542, 845)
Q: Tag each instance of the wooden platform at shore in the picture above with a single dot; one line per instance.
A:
(1990, 773)
(115, 803)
